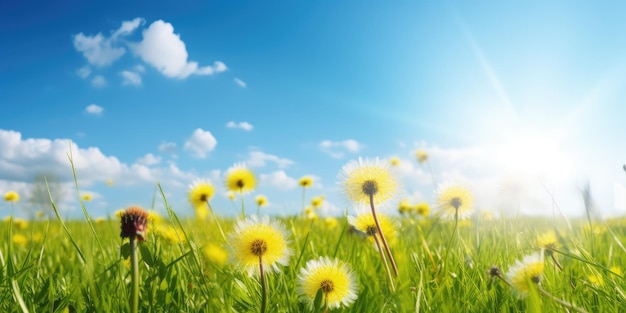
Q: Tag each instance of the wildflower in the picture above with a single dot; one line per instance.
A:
(154, 217)
(169, 234)
(365, 223)
(548, 241)
(422, 209)
(255, 239)
(20, 223)
(394, 161)
(596, 280)
(20, 240)
(404, 207)
(421, 156)
(365, 179)
(494, 271)
(87, 197)
(11, 196)
(261, 200)
(100, 220)
(240, 179)
(317, 202)
(305, 182)
(334, 278)
(215, 254)
(455, 201)
(526, 272)
(200, 192)
(134, 223)
(617, 270)
(331, 222)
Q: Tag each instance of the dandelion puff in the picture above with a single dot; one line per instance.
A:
(362, 179)
(525, 273)
(334, 278)
(453, 199)
(254, 238)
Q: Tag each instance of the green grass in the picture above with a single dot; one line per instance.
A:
(48, 273)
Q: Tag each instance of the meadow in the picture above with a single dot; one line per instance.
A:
(445, 262)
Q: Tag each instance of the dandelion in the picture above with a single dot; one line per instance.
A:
(305, 182)
(335, 279)
(20, 223)
(404, 206)
(200, 192)
(617, 270)
(20, 240)
(11, 196)
(260, 242)
(548, 242)
(215, 254)
(454, 201)
(87, 197)
(596, 280)
(317, 202)
(394, 161)
(240, 179)
(169, 234)
(422, 209)
(371, 183)
(261, 201)
(331, 222)
(134, 227)
(421, 156)
(100, 220)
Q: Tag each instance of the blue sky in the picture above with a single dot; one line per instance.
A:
(530, 92)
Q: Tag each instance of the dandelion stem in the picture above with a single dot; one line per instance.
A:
(382, 236)
(263, 285)
(243, 213)
(134, 263)
(560, 301)
(456, 224)
(219, 227)
(382, 256)
(556, 262)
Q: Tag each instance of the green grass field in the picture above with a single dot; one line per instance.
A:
(49, 267)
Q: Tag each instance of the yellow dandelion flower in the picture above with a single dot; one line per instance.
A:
(20, 240)
(200, 192)
(404, 206)
(240, 179)
(596, 280)
(100, 220)
(394, 161)
(11, 196)
(334, 278)
(119, 213)
(87, 197)
(617, 270)
(363, 179)
(311, 215)
(305, 182)
(20, 223)
(37, 237)
(422, 209)
(154, 217)
(365, 223)
(526, 272)
(215, 254)
(255, 239)
(231, 196)
(317, 202)
(308, 210)
(169, 234)
(454, 199)
(548, 241)
(331, 222)
(261, 200)
(421, 156)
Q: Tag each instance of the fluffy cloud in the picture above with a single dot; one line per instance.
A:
(130, 78)
(103, 51)
(149, 159)
(241, 125)
(99, 81)
(260, 159)
(337, 149)
(240, 83)
(200, 143)
(164, 50)
(94, 109)
(279, 180)
(84, 72)
(167, 147)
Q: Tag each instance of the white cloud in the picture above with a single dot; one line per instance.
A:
(164, 50)
(240, 82)
(200, 143)
(337, 149)
(241, 125)
(102, 51)
(131, 78)
(99, 81)
(167, 147)
(149, 159)
(84, 72)
(94, 109)
(279, 180)
(260, 159)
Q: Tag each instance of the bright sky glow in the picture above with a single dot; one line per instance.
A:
(528, 94)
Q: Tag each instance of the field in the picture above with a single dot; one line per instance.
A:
(75, 266)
